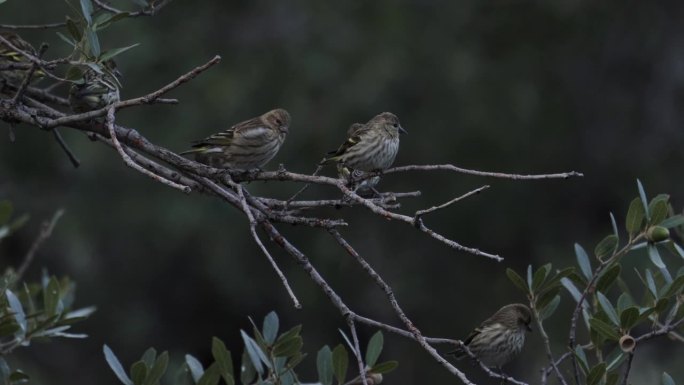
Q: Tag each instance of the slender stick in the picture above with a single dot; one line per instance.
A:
(46, 230)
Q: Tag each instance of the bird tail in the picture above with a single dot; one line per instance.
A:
(192, 151)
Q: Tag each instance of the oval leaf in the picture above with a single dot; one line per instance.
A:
(635, 217)
(608, 308)
(606, 247)
(517, 280)
(583, 261)
(340, 359)
(116, 366)
(374, 349)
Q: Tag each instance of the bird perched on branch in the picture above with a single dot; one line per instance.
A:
(371, 147)
(11, 58)
(357, 180)
(247, 145)
(98, 88)
(500, 338)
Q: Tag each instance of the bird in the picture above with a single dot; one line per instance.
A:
(247, 145)
(499, 338)
(95, 89)
(357, 180)
(371, 147)
(11, 58)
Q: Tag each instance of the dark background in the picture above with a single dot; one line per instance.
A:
(511, 86)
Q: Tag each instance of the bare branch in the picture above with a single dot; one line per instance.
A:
(33, 26)
(357, 350)
(58, 137)
(46, 230)
(420, 213)
(130, 163)
(450, 167)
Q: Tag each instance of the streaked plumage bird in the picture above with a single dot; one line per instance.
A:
(364, 186)
(96, 89)
(500, 338)
(371, 147)
(10, 58)
(247, 145)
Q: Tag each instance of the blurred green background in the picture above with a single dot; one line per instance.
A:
(511, 86)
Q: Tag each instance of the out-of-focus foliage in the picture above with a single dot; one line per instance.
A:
(32, 311)
(268, 358)
(613, 326)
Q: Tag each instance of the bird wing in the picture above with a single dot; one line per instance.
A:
(353, 139)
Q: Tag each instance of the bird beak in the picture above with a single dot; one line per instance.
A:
(285, 130)
(401, 129)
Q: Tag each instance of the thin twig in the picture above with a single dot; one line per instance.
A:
(628, 367)
(74, 160)
(252, 229)
(28, 77)
(146, 99)
(547, 345)
(420, 213)
(33, 26)
(45, 231)
(130, 163)
(357, 350)
(451, 167)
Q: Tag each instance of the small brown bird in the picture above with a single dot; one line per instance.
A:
(10, 58)
(364, 186)
(500, 338)
(370, 147)
(95, 90)
(247, 145)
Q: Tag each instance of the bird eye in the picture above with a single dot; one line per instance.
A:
(396, 125)
(279, 122)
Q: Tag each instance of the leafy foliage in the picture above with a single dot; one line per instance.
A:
(268, 358)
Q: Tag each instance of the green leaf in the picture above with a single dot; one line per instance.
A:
(255, 353)
(517, 280)
(606, 247)
(667, 379)
(223, 359)
(547, 311)
(629, 317)
(608, 308)
(612, 378)
(109, 54)
(271, 325)
(635, 217)
(529, 277)
(116, 366)
(555, 281)
(650, 284)
(583, 261)
(607, 278)
(674, 287)
(340, 361)
(87, 9)
(5, 211)
(292, 332)
(384, 367)
(149, 357)
(603, 329)
(73, 29)
(196, 368)
(546, 298)
(211, 376)
(324, 363)
(673, 221)
(108, 19)
(655, 256)
(93, 42)
(614, 359)
(596, 373)
(582, 359)
(138, 372)
(613, 223)
(18, 311)
(158, 369)
(374, 348)
(289, 347)
(658, 208)
(51, 294)
(624, 302)
(644, 202)
(540, 276)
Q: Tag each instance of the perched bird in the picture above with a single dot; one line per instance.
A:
(371, 147)
(13, 65)
(355, 178)
(247, 145)
(498, 339)
(96, 89)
